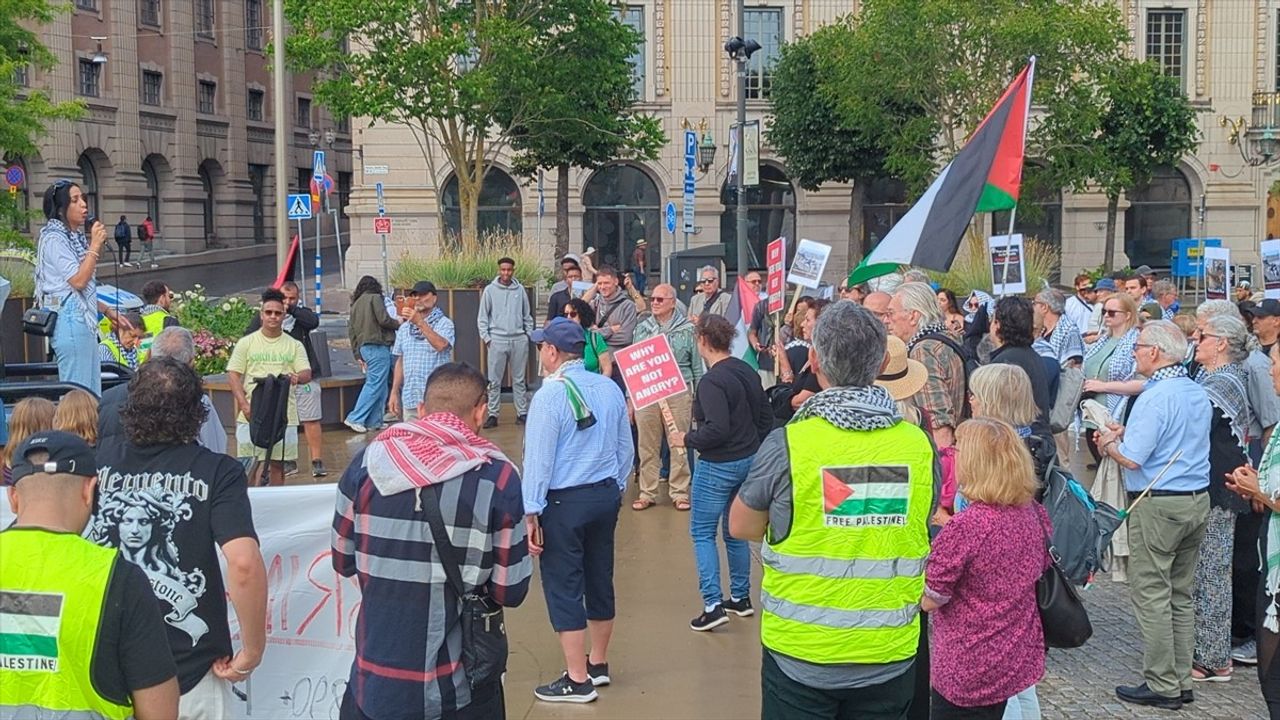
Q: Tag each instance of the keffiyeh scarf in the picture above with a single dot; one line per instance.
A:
(933, 329)
(978, 299)
(852, 408)
(1123, 364)
(1226, 389)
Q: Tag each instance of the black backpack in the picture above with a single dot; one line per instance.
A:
(968, 359)
(1082, 526)
(269, 412)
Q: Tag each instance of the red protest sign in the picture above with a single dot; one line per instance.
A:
(650, 371)
(776, 255)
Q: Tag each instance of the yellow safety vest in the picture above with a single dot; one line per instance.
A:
(50, 612)
(844, 585)
(115, 349)
(154, 322)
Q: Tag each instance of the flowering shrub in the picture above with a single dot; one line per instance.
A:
(215, 324)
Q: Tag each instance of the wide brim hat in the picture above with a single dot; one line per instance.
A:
(902, 376)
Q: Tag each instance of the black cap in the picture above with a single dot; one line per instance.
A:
(423, 287)
(1267, 308)
(68, 455)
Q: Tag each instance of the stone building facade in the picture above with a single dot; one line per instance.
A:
(179, 123)
(1223, 51)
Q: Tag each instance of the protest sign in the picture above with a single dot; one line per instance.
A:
(1008, 268)
(776, 257)
(1217, 272)
(1271, 268)
(808, 264)
(650, 371)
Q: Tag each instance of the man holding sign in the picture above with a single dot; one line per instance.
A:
(650, 423)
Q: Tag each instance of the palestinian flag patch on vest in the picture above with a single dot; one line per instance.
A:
(29, 624)
(865, 495)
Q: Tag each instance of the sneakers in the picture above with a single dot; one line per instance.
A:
(490, 424)
(290, 468)
(599, 674)
(710, 619)
(741, 608)
(567, 691)
(355, 427)
(317, 469)
(1246, 654)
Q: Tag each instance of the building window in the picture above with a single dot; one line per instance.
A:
(633, 17)
(1277, 53)
(771, 213)
(207, 94)
(149, 11)
(151, 83)
(253, 24)
(304, 112)
(254, 107)
(1159, 212)
(623, 205)
(153, 191)
(88, 182)
(204, 18)
(87, 4)
(90, 73)
(882, 208)
(764, 25)
(498, 210)
(1166, 41)
(258, 184)
(22, 76)
(344, 192)
(344, 124)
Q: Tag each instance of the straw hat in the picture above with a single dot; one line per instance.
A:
(902, 377)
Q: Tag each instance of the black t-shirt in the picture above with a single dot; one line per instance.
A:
(555, 307)
(166, 507)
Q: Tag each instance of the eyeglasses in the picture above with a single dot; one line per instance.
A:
(573, 315)
(659, 298)
(1138, 346)
(273, 313)
(753, 281)
(1113, 313)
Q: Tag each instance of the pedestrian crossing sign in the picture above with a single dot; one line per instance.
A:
(299, 207)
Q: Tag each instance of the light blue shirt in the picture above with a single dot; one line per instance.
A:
(59, 253)
(1170, 415)
(557, 455)
(420, 358)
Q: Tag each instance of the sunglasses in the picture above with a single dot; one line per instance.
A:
(753, 281)
(706, 281)
(1113, 313)
(573, 315)
(273, 313)
(659, 298)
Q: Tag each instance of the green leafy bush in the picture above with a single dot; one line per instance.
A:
(971, 269)
(18, 267)
(470, 267)
(216, 325)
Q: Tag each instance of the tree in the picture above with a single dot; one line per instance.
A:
(1129, 118)
(810, 134)
(24, 112)
(580, 114)
(439, 67)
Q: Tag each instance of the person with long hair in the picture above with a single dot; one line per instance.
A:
(77, 414)
(987, 642)
(66, 281)
(952, 316)
(372, 332)
(1003, 392)
(30, 416)
(1109, 361)
(595, 355)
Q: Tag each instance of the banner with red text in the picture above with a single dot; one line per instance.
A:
(650, 371)
(776, 256)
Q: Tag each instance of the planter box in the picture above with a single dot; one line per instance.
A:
(463, 307)
(15, 345)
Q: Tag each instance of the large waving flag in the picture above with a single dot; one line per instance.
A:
(986, 175)
(741, 308)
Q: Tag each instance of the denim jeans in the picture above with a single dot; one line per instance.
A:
(75, 347)
(715, 484)
(372, 402)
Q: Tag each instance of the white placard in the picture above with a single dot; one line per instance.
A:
(1008, 264)
(808, 264)
(1217, 272)
(580, 287)
(1271, 268)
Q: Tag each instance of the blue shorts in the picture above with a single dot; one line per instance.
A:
(577, 558)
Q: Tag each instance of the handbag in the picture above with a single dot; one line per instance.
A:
(484, 629)
(1062, 614)
(39, 321)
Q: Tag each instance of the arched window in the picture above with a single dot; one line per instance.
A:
(884, 206)
(206, 189)
(1158, 213)
(499, 206)
(89, 183)
(153, 191)
(622, 205)
(771, 213)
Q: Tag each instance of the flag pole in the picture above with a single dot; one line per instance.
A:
(1013, 214)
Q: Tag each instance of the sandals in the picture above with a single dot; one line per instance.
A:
(1199, 673)
(642, 504)
(682, 505)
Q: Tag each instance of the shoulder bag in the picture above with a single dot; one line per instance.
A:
(40, 321)
(484, 629)
(1062, 615)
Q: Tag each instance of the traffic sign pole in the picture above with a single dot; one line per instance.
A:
(319, 298)
(382, 212)
(302, 286)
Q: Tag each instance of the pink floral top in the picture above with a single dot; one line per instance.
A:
(986, 644)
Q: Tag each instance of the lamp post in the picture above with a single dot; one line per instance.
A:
(740, 51)
(1259, 140)
(283, 123)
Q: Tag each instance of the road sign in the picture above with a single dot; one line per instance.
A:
(382, 204)
(14, 175)
(382, 225)
(377, 169)
(317, 165)
(690, 149)
(542, 197)
(299, 207)
(690, 183)
(670, 214)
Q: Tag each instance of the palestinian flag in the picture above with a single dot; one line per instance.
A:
(984, 176)
(29, 624)
(865, 495)
(741, 307)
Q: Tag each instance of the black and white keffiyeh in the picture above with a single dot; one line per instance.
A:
(933, 329)
(1225, 387)
(852, 408)
(1167, 373)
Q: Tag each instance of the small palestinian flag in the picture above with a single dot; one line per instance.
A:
(29, 624)
(741, 308)
(986, 175)
(866, 495)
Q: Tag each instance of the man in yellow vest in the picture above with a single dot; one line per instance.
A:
(158, 298)
(841, 499)
(80, 630)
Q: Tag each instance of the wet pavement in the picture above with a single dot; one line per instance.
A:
(661, 669)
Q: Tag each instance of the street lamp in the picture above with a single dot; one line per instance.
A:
(99, 57)
(1258, 141)
(706, 151)
(740, 52)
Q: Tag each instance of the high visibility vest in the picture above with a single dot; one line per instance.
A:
(154, 321)
(114, 347)
(50, 612)
(844, 585)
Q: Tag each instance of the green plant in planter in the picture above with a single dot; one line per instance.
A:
(971, 269)
(216, 325)
(470, 267)
(18, 267)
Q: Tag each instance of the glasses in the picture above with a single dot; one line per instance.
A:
(273, 313)
(1113, 313)
(1203, 335)
(1139, 346)
(706, 281)
(659, 298)
(753, 281)
(573, 315)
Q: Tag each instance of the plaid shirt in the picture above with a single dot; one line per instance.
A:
(942, 397)
(420, 359)
(408, 631)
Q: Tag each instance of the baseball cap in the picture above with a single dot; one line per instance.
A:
(1244, 285)
(1153, 311)
(564, 334)
(422, 287)
(1105, 284)
(1267, 308)
(1143, 270)
(68, 454)
(571, 257)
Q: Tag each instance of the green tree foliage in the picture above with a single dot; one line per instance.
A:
(580, 112)
(24, 112)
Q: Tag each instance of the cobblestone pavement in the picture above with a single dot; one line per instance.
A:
(1081, 683)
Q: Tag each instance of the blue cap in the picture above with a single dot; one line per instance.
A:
(1106, 284)
(564, 334)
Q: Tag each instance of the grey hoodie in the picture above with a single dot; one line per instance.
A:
(504, 312)
(618, 310)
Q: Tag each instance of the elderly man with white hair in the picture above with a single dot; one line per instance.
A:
(1057, 329)
(709, 298)
(915, 318)
(1172, 417)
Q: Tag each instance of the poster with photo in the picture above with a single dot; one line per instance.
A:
(1271, 268)
(808, 264)
(1217, 273)
(1008, 264)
